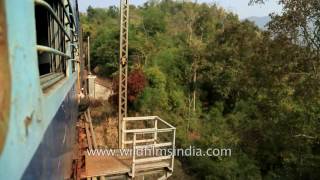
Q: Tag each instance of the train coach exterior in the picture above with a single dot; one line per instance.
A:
(39, 56)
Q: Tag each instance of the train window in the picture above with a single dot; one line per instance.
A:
(42, 22)
(73, 67)
(52, 21)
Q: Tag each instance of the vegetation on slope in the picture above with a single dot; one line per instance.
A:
(223, 83)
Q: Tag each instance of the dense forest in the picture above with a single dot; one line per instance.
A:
(223, 82)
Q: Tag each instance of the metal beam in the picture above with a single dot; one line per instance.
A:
(123, 67)
(152, 159)
(66, 12)
(47, 49)
(144, 118)
(148, 130)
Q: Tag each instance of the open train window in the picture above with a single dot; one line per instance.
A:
(73, 67)
(52, 36)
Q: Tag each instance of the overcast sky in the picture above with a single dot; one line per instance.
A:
(240, 7)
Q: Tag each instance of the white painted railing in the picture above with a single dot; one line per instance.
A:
(159, 126)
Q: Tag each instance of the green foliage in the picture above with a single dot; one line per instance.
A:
(176, 100)
(153, 21)
(156, 78)
(155, 97)
(255, 92)
(153, 100)
(104, 52)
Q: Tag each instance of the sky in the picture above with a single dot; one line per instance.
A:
(239, 7)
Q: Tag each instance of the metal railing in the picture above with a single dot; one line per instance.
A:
(47, 49)
(158, 127)
(59, 18)
(53, 14)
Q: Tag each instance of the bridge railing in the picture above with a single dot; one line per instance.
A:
(149, 133)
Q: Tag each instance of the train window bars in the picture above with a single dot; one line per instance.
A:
(55, 32)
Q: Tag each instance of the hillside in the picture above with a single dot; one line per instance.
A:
(261, 22)
(222, 82)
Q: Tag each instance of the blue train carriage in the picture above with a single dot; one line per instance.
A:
(39, 70)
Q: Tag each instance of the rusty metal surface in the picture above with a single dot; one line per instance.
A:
(53, 158)
(5, 78)
(81, 147)
(104, 166)
(96, 166)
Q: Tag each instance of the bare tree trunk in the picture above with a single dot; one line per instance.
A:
(194, 88)
(189, 115)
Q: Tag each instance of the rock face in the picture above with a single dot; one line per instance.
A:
(103, 88)
(102, 92)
